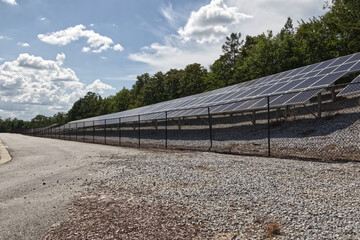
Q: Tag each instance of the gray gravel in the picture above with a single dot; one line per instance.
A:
(241, 195)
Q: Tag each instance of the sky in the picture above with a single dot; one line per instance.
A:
(52, 52)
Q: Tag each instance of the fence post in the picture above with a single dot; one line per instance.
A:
(76, 131)
(93, 132)
(119, 131)
(166, 131)
(139, 129)
(84, 132)
(210, 129)
(105, 131)
(268, 124)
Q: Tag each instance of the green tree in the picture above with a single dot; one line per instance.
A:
(154, 90)
(172, 83)
(193, 80)
(85, 107)
(121, 101)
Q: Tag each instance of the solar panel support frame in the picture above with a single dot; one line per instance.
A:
(319, 105)
(210, 129)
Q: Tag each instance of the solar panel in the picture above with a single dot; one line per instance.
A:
(351, 89)
(251, 93)
(302, 97)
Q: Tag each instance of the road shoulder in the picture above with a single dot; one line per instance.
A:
(4, 154)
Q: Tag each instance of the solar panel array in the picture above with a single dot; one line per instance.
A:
(291, 87)
(351, 89)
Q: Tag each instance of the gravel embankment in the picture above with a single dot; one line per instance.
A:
(207, 195)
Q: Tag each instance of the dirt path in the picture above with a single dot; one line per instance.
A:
(42, 177)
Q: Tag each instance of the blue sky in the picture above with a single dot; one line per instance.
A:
(53, 52)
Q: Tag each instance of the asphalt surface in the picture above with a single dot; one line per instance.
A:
(42, 178)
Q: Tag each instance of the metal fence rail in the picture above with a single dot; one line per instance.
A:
(325, 128)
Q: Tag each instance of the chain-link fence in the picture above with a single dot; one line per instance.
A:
(312, 124)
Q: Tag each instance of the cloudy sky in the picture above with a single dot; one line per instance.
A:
(53, 52)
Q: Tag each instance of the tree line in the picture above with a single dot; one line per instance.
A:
(334, 34)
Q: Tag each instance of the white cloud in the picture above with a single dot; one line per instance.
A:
(92, 25)
(198, 41)
(171, 16)
(11, 2)
(211, 22)
(43, 19)
(31, 84)
(205, 31)
(85, 49)
(98, 87)
(2, 59)
(164, 57)
(272, 15)
(4, 37)
(23, 44)
(118, 47)
(97, 43)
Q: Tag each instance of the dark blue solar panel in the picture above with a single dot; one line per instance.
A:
(311, 74)
(307, 83)
(289, 86)
(327, 71)
(219, 109)
(281, 75)
(257, 92)
(245, 93)
(284, 80)
(303, 96)
(355, 68)
(279, 101)
(217, 97)
(328, 79)
(273, 89)
(247, 104)
(310, 68)
(354, 57)
(262, 103)
(352, 88)
(296, 71)
(226, 108)
(340, 60)
(324, 64)
(297, 77)
(344, 67)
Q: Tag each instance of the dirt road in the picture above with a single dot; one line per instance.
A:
(41, 179)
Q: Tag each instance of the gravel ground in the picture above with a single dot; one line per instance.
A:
(215, 196)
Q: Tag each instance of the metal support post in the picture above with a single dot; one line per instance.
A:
(76, 132)
(319, 106)
(210, 129)
(166, 131)
(84, 132)
(105, 131)
(253, 117)
(93, 132)
(268, 124)
(119, 133)
(139, 129)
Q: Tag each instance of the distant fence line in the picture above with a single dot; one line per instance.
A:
(325, 128)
